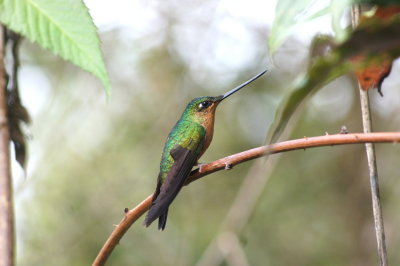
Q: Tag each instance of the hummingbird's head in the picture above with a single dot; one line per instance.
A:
(202, 108)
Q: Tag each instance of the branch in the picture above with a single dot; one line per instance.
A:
(228, 162)
(6, 204)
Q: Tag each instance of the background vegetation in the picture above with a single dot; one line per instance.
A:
(90, 158)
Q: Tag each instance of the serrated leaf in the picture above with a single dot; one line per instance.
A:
(62, 26)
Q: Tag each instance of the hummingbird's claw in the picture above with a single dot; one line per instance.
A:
(200, 166)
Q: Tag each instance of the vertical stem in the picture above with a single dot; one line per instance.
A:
(374, 182)
(371, 158)
(6, 203)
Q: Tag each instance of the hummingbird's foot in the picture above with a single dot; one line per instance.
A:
(228, 166)
(200, 166)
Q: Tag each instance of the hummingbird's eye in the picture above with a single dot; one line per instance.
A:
(204, 105)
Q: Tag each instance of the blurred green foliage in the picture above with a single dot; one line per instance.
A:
(91, 158)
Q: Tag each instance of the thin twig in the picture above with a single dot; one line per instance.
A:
(374, 182)
(235, 159)
(371, 158)
(6, 203)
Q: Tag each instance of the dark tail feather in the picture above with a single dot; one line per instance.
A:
(162, 221)
(166, 191)
(151, 214)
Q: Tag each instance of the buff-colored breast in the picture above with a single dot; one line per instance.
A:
(208, 124)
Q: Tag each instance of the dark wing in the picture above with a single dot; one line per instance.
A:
(184, 160)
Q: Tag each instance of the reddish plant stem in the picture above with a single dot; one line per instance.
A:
(235, 159)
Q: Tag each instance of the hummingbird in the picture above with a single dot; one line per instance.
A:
(186, 143)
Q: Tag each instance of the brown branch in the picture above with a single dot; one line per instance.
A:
(235, 159)
(6, 204)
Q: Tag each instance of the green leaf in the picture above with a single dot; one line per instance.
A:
(288, 14)
(337, 8)
(62, 26)
(370, 39)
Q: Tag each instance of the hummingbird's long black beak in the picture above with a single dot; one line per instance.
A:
(229, 93)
